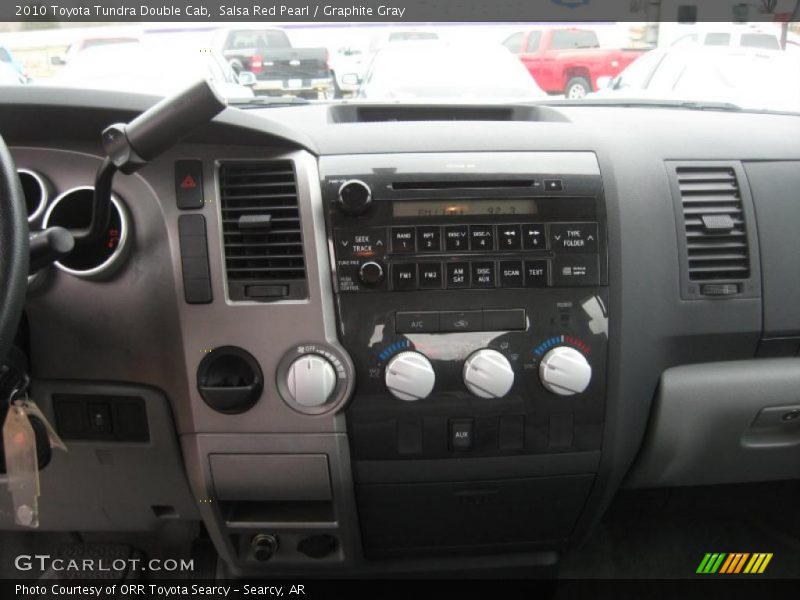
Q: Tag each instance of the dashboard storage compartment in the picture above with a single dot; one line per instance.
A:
(470, 516)
(727, 422)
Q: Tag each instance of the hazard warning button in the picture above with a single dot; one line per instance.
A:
(189, 184)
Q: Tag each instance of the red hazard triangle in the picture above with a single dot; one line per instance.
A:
(188, 183)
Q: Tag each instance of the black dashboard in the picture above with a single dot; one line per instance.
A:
(385, 333)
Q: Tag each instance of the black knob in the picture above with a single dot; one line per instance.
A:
(354, 197)
(370, 273)
(264, 546)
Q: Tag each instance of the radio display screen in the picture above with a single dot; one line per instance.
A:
(465, 208)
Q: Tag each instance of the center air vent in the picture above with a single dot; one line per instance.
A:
(716, 247)
(261, 231)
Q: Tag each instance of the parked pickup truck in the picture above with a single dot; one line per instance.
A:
(279, 68)
(568, 61)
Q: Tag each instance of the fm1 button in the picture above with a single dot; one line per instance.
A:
(404, 276)
(461, 433)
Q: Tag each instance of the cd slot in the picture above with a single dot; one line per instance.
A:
(462, 185)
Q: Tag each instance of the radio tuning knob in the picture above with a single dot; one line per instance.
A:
(311, 380)
(355, 197)
(565, 371)
(410, 376)
(370, 273)
(488, 374)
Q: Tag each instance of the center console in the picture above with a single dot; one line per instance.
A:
(472, 295)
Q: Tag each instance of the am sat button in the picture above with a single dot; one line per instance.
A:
(416, 322)
(575, 270)
(465, 320)
(457, 275)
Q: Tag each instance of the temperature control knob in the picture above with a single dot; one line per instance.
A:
(311, 380)
(565, 371)
(354, 197)
(488, 374)
(410, 376)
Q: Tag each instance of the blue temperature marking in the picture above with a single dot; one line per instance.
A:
(396, 347)
(547, 344)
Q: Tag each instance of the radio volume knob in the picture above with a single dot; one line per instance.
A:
(565, 371)
(355, 197)
(311, 380)
(488, 374)
(410, 376)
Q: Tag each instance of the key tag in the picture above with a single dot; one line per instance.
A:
(22, 465)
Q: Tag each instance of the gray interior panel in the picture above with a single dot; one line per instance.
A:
(723, 423)
(108, 485)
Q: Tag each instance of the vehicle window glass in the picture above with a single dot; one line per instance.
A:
(533, 41)
(257, 39)
(4, 55)
(564, 39)
(638, 73)
(760, 40)
(514, 42)
(718, 39)
(668, 72)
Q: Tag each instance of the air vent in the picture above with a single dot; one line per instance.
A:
(718, 253)
(261, 231)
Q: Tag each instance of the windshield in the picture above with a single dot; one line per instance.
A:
(753, 66)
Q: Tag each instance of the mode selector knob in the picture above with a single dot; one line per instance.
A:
(355, 197)
(311, 380)
(370, 273)
(488, 374)
(410, 376)
(565, 371)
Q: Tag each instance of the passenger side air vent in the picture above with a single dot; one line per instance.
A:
(261, 231)
(714, 211)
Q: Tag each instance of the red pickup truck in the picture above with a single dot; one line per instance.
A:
(568, 61)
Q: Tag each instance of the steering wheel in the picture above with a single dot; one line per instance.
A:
(13, 250)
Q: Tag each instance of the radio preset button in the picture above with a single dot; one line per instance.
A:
(533, 237)
(510, 273)
(456, 238)
(580, 238)
(509, 237)
(430, 275)
(575, 270)
(429, 239)
(481, 237)
(416, 322)
(457, 275)
(536, 273)
(483, 274)
(403, 240)
(465, 320)
(404, 276)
